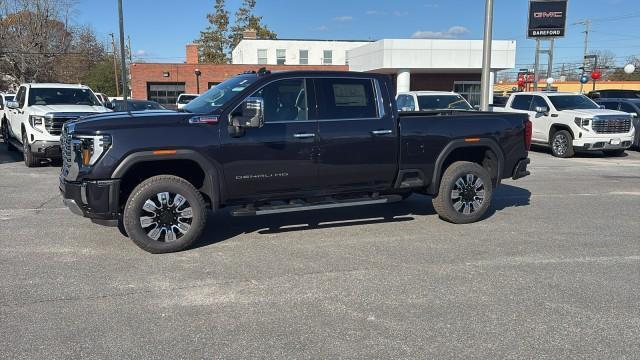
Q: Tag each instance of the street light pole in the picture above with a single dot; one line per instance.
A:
(486, 56)
(123, 59)
(198, 73)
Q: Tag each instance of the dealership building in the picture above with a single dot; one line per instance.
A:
(413, 64)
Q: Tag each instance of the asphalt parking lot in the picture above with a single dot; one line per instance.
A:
(554, 272)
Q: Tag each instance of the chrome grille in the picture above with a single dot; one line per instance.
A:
(611, 125)
(65, 146)
(54, 124)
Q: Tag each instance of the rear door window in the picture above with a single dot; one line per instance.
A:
(345, 98)
(522, 102)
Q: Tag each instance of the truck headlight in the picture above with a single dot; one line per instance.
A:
(36, 122)
(90, 147)
(582, 123)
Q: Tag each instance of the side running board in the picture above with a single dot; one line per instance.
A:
(300, 205)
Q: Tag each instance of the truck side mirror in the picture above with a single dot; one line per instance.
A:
(13, 104)
(252, 113)
(542, 109)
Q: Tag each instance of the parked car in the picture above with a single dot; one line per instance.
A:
(260, 144)
(184, 99)
(631, 106)
(499, 101)
(431, 100)
(4, 98)
(568, 122)
(104, 99)
(34, 119)
(135, 105)
(615, 94)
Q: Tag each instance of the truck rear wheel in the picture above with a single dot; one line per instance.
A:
(465, 193)
(30, 159)
(165, 214)
(562, 144)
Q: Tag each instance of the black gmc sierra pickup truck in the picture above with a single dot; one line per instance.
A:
(263, 143)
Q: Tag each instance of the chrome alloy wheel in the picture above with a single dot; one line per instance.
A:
(168, 217)
(468, 195)
(560, 144)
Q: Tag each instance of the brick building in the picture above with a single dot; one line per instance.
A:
(163, 82)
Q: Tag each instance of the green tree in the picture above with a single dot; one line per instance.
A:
(214, 40)
(247, 20)
(100, 78)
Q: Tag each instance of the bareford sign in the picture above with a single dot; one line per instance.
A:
(547, 18)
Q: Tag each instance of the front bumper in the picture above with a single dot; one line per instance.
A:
(97, 200)
(611, 142)
(47, 149)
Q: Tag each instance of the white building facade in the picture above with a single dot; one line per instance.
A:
(293, 52)
(414, 64)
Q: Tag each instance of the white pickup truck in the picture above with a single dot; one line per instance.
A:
(567, 122)
(33, 121)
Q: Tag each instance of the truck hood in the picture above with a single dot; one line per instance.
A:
(45, 109)
(123, 120)
(595, 112)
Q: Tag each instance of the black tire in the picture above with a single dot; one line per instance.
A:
(614, 153)
(562, 144)
(452, 208)
(166, 216)
(30, 159)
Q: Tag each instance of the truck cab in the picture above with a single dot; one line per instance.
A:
(567, 122)
(35, 118)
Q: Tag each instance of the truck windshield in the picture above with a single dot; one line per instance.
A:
(440, 102)
(219, 94)
(572, 102)
(62, 96)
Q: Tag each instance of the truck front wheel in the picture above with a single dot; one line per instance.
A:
(465, 193)
(30, 159)
(165, 214)
(562, 144)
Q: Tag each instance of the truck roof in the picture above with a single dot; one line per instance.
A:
(56, 85)
(545, 93)
(428, 92)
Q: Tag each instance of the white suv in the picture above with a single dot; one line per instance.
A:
(431, 101)
(34, 119)
(568, 122)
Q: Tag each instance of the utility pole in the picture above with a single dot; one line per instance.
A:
(587, 29)
(123, 68)
(485, 83)
(115, 63)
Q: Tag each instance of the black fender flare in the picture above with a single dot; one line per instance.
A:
(212, 186)
(458, 144)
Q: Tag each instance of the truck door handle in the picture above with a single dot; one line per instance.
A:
(381, 132)
(304, 135)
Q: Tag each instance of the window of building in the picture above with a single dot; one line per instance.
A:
(345, 99)
(327, 57)
(284, 100)
(165, 94)
(262, 56)
(521, 102)
(304, 57)
(281, 56)
(470, 90)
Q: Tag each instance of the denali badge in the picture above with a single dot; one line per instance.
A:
(261, 176)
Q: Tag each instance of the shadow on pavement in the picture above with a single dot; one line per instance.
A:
(222, 226)
(9, 156)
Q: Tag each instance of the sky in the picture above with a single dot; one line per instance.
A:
(159, 29)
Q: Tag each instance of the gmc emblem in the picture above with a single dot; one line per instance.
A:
(544, 14)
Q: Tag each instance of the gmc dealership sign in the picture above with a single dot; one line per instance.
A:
(547, 18)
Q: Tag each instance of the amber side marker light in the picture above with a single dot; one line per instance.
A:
(471, 139)
(164, 152)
